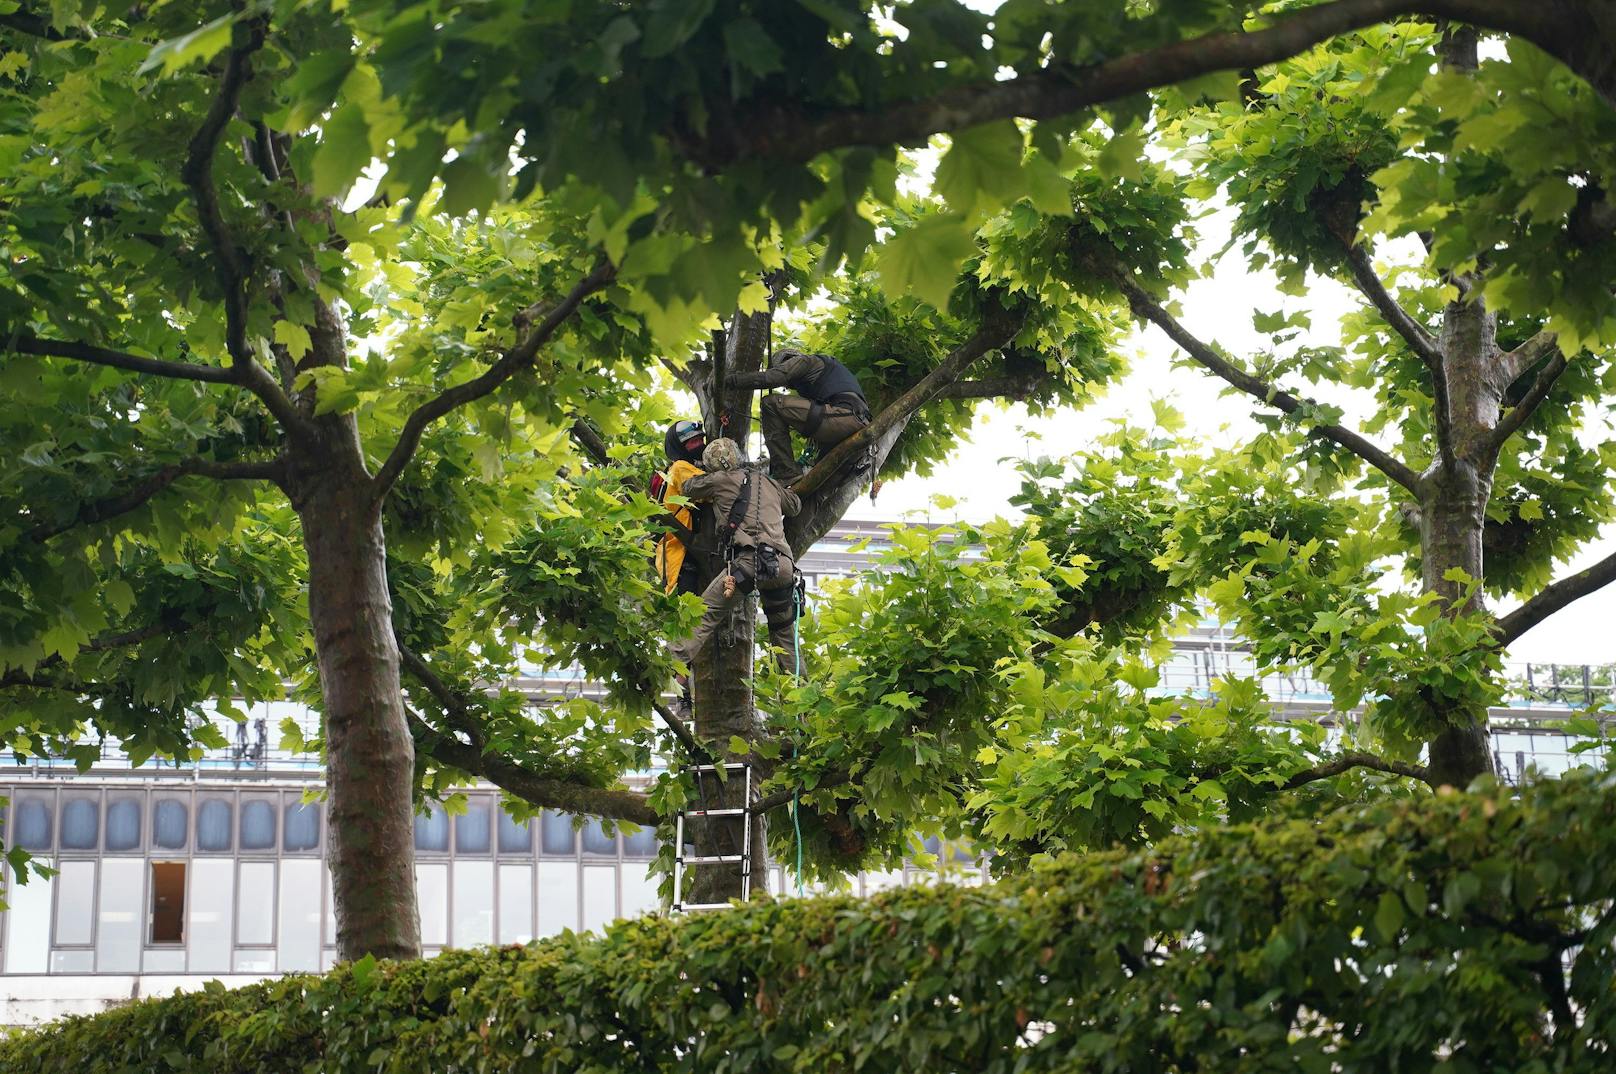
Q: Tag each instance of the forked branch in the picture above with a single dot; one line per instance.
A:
(513, 361)
(134, 363)
(1259, 389)
(123, 502)
(1525, 357)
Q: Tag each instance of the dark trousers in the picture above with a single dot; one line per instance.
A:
(776, 596)
(784, 414)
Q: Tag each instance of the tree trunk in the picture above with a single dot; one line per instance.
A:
(1454, 513)
(370, 757)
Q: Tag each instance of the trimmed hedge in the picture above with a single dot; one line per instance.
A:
(1456, 933)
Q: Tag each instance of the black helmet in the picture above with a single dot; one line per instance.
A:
(684, 441)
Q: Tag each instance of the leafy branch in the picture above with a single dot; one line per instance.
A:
(143, 490)
(1144, 306)
(234, 271)
(1522, 358)
(134, 363)
(1552, 598)
(1348, 761)
(513, 361)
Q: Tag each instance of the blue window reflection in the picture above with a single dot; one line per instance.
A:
(213, 824)
(81, 823)
(596, 841)
(257, 825)
(432, 830)
(472, 835)
(642, 844)
(514, 838)
(169, 820)
(123, 824)
(555, 833)
(302, 826)
(32, 825)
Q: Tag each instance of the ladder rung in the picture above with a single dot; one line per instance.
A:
(715, 859)
(734, 766)
(702, 906)
(715, 812)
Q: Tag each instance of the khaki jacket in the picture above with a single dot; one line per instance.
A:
(771, 504)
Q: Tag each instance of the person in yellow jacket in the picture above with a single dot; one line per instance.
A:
(684, 442)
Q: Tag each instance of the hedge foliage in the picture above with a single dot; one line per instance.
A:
(1456, 933)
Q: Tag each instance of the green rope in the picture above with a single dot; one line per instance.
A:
(796, 651)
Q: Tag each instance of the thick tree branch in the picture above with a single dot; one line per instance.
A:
(1349, 761)
(234, 271)
(533, 787)
(1017, 387)
(791, 132)
(143, 490)
(1146, 307)
(509, 364)
(1552, 598)
(1523, 358)
(85, 352)
(995, 332)
(686, 739)
(585, 436)
(780, 798)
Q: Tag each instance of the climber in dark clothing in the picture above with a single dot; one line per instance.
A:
(828, 406)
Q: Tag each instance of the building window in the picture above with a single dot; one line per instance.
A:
(214, 819)
(75, 903)
(123, 823)
(168, 902)
(642, 844)
(302, 826)
(170, 819)
(596, 841)
(255, 904)
(556, 834)
(257, 825)
(432, 829)
(32, 824)
(471, 829)
(81, 822)
(515, 837)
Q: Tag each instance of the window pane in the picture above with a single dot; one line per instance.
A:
(432, 892)
(164, 960)
(600, 895)
(75, 902)
(121, 920)
(472, 835)
(170, 818)
(81, 822)
(212, 894)
(73, 961)
(515, 903)
(213, 824)
(558, 897)
(302, 826)
(556, 834)
(596, 841)
(639, 890)
(28, 921)
(642, 844)
(123, 824)
(255, 960)
(167, 903)
(514, 838)
(31, 824)
(255, 902)
(473, 903)
(432, 830)
(299, 939)
(257, 825)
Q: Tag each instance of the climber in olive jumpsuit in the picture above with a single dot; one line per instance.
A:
(758, 557)
(828, 406)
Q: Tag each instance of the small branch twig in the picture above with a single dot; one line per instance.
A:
(509, 364)
(585, 436)
(689, 741)
(1146, 307)
(140, 492)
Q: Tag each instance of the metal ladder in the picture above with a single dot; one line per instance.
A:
(743, 859)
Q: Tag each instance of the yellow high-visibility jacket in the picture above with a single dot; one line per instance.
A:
(670, 550)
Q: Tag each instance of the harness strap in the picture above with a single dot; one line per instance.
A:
(815, 418)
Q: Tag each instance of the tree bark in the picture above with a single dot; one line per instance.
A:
(1453, 514)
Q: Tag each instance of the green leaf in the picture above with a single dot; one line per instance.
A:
(343, 153)
(925, 260)
(1388, 916)
(467, 185)
(1123, 156)
(739, 745)
(202, 43)
(982, 169)
(294, 337)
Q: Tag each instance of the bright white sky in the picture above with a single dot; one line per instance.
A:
(1217, 308)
